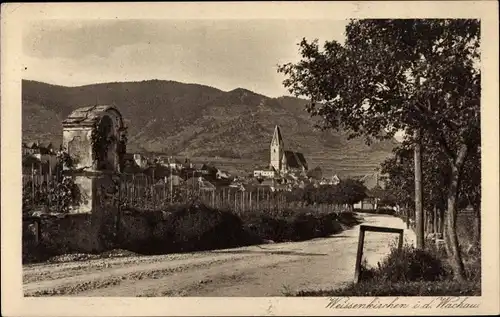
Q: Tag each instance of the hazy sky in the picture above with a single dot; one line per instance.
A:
(225, 54)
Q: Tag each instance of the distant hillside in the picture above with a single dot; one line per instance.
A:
(199, 121)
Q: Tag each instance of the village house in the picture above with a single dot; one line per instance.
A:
(334, 180)
(140, 160)
(222, 174)
(265, 173)
(187, 164)
(130, 165)
(200, 183)
(43, 155)
(372, 182)
(174, 163)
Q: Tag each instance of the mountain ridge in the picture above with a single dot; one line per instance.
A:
(198, 121)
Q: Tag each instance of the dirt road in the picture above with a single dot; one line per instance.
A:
(266, 270)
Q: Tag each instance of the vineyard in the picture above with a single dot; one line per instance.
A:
(58, 193)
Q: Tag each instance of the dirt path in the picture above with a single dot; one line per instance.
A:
(266, 270)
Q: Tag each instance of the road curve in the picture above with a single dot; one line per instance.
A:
(265, 270)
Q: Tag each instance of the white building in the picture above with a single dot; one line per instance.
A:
(265, 173)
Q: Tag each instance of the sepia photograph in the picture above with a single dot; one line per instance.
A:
(253, 157)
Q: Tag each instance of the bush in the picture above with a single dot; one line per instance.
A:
(378, 211)
(410, 264)
(411, 272)
(349, 219)
(200, 228)
(296, 227)
(195, 227)
(187, 228)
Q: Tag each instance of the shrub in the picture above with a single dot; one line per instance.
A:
(348, 218)
(195, 227)
(294, 227)
(200, 228)
(378, 211)
(410, 264)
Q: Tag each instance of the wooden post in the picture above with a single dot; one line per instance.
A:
(359, 255)
(171, 186)
(400, 241)
(419, 216)
(33, 183)
(434, 221)
(258, 205)
(133, 190)
(407, 216)
(361, 241)
(269, 201)
(235, 202)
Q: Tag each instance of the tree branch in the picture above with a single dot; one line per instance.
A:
(438, 133)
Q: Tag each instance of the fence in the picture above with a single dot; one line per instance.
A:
(41, 190)
(141, 192)
(138, 191)
(434, 225)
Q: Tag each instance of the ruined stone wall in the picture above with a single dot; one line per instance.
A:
(77, 141)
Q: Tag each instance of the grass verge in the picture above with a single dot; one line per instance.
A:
(410, 272)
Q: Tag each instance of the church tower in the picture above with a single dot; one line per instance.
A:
(277, 149)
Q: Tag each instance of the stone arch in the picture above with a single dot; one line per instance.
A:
(84, 126)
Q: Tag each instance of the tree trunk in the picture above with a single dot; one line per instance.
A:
(451, 217)
(446, 239)
(441, 221)
(477, 211)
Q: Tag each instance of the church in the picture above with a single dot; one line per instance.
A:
(283, 161)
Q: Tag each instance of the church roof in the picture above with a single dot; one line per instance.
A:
(295, 159)
(301, 159)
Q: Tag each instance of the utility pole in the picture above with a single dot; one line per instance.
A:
(419, 215)
(171, 185)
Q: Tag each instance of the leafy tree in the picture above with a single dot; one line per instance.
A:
(470, 187)
(315, 173)
(393, 75)
(351, 191)
(400, 179)
(384, 196)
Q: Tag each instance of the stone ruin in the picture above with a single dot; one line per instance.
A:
(93, 138)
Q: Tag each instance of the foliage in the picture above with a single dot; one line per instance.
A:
(101, 139)
(400, 75)
(410, 273)
(422, 288)
(346, 192)
(122, 146)
(315, 173)
(351, 191)
(410, 264)
(435, 175)
(58, 194)
(195, 227)
(295, 226)
(378, 211)
(64, 160)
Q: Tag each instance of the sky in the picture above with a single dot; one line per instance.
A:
(224, 54)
